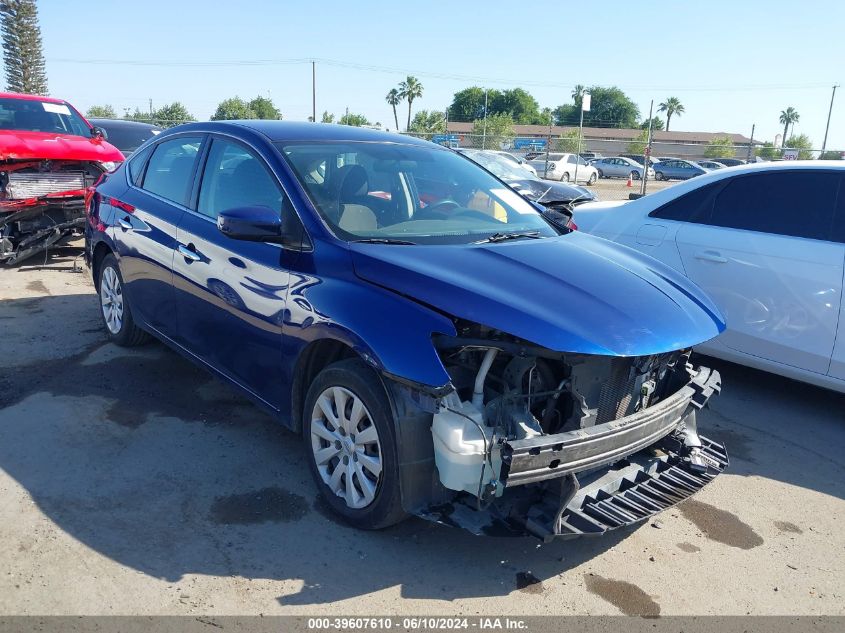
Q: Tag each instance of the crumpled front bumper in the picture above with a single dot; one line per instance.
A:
(590, 481)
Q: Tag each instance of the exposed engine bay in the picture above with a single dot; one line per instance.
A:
(527, 432)
(41, 204)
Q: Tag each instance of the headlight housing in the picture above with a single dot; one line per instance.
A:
(109, 165)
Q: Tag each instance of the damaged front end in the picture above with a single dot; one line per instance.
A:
(42, 204)
(552, 444)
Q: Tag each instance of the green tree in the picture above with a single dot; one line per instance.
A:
(518, 103)
(425, 122)
(831, 154)
(356, 120)
(327, 118)
(172, 114)
(100, 112)
(671, 106)
(656, 123)
(233, 109)
(22, 54)
(394, 99)
(720, 147)
(638, 145)
(567, 142)
(767, 151)
(803, 144)
(609, 107)
(788, 117)
(499, 131)
(264, 108)
(409, 90)
(468, 104)
(578, 94)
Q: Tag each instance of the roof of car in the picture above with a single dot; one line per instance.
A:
(306, 131)
(122, 123)
(28, 97)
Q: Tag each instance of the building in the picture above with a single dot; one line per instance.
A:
(611, 141)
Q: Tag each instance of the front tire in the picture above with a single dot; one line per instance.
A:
(564, 177)
(593, 178)
(117, 316)
(634, 175)
(658, 175)
(350, 442)
(601, 174)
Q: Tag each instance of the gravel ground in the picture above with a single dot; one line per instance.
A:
(134, 483)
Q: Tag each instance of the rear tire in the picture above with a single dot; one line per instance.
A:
(351, 446)
(114, 308)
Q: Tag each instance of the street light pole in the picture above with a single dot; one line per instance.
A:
(647, 151)
(827, 127)
(313, 91)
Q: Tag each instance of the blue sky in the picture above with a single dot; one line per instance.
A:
(732, 63)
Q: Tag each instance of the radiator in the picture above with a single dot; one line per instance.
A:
(29, 185)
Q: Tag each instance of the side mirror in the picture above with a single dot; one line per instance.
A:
(98, 132)
(252, 224)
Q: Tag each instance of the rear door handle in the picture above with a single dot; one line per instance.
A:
(125, 224)
(711, 256)
(188, 252)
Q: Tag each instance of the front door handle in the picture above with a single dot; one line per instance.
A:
(711, 256)
(125, 224)
(188, 252)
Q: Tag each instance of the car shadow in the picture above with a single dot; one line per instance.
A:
(149, 461)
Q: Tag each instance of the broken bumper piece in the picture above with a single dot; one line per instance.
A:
(629, 492)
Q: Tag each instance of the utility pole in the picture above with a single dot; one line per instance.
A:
(484, 132)
(313, 91)
(751, 144)
(647, 152)
(585, 101)
(548, 145)
(151, 110)
(827, 127)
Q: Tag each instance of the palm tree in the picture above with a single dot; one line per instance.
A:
(788, 117)
(410, 89)
(671, 106)
(393, 98)
(578, 94)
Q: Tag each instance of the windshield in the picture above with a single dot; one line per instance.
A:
(499, 165)
(407, 193)
(41, 116)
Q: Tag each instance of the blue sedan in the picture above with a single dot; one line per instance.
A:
(677, 169)
(443, 347)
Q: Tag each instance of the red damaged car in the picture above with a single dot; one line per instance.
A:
(49, 155)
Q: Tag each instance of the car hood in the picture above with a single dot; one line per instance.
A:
(546, 190)
(15, 144)
(574, 293)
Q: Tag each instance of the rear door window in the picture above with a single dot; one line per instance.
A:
(169, 173)
(695, 206)
(796, 203)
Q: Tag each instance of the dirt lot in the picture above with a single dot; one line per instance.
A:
(133, 483)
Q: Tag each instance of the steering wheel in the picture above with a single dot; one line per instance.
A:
(436, 211)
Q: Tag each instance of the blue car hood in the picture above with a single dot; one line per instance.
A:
(573, 293)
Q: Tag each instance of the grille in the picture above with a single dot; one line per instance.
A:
(28, 185)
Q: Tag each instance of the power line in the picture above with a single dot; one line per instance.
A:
(422, 73)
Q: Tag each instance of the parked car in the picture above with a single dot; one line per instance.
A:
(677, 169)
(49, 155)
(545, 192)
(767, 242)
(638, 158)
(443, 349)
(127, 136)
(710, 164)
(516, 160)
(588, 156)
(563, 167)
(732, 162)
(619, 167)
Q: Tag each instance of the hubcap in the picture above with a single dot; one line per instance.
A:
(346, 446)
(111, 299)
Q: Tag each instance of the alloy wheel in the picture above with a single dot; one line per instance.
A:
(111, 300)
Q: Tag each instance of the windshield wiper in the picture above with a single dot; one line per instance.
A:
(501, 237)
(384, 240)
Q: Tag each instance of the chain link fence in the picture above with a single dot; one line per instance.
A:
(610, 179)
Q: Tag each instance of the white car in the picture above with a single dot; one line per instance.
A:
(516, 160)
(767, 243)
(563, 167)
